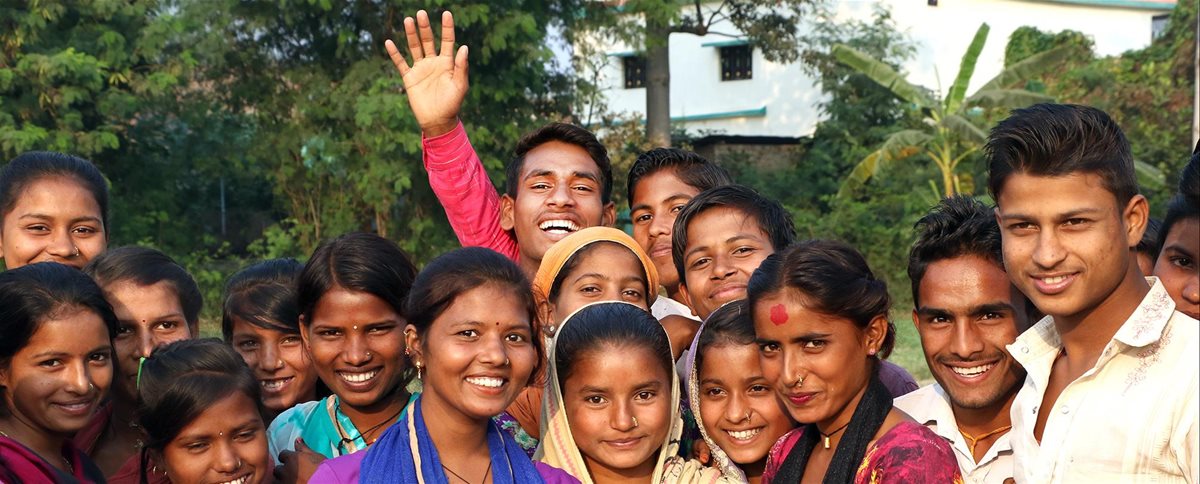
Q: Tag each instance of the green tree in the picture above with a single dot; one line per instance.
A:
(768, 25)
(952, 129)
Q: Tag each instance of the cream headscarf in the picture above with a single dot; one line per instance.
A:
(558, 447)
(720, 460)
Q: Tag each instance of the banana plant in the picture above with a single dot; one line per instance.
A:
(949, 135)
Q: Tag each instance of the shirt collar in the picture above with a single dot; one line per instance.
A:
(1147, 323)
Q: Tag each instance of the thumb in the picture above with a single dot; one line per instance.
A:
(302, 448)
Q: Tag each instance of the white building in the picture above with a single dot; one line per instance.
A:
(779, 100)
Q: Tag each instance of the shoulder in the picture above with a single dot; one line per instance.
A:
(897, 380)
(922, 403)
(554, 475)
(296, 415)
(910, 449)
(781, 449)
(343, 469)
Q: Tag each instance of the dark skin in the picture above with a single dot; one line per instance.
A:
(120, 439)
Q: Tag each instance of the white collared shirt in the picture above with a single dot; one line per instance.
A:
(1131, 418)
(664, 306)
(930, 406)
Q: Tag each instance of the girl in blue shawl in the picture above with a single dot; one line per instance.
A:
(470, 334)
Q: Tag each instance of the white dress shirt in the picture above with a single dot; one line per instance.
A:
(1131, 418)
(930, 406)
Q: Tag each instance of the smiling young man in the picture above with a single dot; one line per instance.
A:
(966, 312)
(559, 181)
(1113, 378)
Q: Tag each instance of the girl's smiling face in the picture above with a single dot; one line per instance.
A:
(225, 443)
(604, 271)
(280, 364)
(478, 354)
(618, 402)
(55, 219)
(738, 406)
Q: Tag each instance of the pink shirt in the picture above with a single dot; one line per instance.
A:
(462, 186)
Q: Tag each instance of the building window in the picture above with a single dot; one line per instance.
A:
(635, 71)
(736, 62)
(1158, 25)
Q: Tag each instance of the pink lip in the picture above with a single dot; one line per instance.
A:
(1049, 289)
(727, 291)
(85, 410)
(624, 444)
(660, 250)
(801, 399)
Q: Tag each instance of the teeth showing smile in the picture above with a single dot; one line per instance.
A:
(972, 371)
(358, 377)
(1054, 280)
(240, 480)
(743, 435)
(275, 385)
(484, 381)
(559, 226)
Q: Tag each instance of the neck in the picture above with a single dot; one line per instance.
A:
(529, 266)
(839, 421)
(46, 445)
(1085, 335)
(979, 422)
(754, 470)
(457, 437)
(674, 292)
(366, 417)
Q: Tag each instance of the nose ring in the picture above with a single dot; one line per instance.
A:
(76, 253)
(799, 383)
(506, 361)
(635, 423)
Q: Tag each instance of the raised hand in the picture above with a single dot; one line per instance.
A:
(436, 82)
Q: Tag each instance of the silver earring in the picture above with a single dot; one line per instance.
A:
(76, 253)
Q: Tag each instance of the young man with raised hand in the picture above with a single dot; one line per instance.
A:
(966, 312)
(559, 181)
(1113, 378)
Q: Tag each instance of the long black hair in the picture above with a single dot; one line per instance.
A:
(180, 380)
(264, 295)
(145, 267)
(730, 324)
(29, 167)
(358, 262)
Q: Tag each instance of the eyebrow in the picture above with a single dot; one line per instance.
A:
(163, 317)
(1177, 247)
(735, 238)
(578, 174)
(991, 307)
(1066, 215)
(646, 206)
(42, 216)
(811, 335)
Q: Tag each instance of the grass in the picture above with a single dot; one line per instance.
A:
(908, 352)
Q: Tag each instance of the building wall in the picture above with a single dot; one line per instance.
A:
(941, 35)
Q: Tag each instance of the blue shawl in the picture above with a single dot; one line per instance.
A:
(405, 453)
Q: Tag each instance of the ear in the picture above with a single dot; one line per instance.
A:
(609, 217)
(304, 336)
(412, 342)
(916, 321)
(1135, 215)
(685, 296)
(4, 376)
(507, 220)
(545, 315)
(875, 332)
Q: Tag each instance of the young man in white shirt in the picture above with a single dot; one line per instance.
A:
(1113, 386)
(966, 312)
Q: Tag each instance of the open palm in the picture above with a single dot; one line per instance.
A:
(436, 82)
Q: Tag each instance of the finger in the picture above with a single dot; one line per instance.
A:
(302, 447)
(447, 34)
(461, 70)
(414, 43)
(286, 456)
(426, 33)
(396, 56)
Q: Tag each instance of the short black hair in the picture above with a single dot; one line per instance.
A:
(691, 168)
(1149, 244)
(566, 133)
(771, 217)
(1060, 139)
(834, 279)
(957, 226)
(1185, 204)
(145, 267)
(32, 166)
(264, 295)
(359, 262)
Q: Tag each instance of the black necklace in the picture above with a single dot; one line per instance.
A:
(363, 434)
(485, 473)
(831, 434)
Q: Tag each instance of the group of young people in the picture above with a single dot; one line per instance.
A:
(711, 346)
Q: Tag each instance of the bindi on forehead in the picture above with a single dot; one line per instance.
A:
(779, 314)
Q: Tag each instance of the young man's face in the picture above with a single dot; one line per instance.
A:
(558, 193)
(1066, 240)
(657, 200)
(725, 246)
(967, 312)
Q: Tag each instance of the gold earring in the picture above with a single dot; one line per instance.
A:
(635, 423)
(419, 371)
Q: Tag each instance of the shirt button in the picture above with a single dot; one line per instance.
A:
(1065, 410)
(1025, 349)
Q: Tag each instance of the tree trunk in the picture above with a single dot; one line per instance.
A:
(658, 84)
